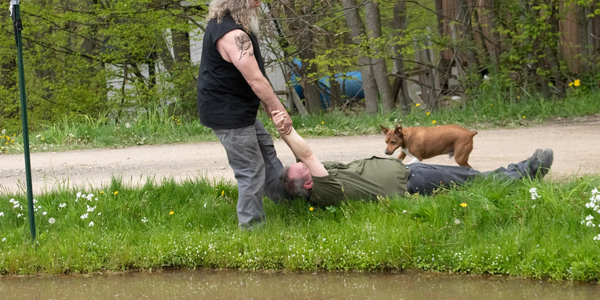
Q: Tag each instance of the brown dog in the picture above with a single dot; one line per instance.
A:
(426, 142)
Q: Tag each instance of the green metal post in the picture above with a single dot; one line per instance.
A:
(18, 26)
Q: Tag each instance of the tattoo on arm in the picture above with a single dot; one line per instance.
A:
(244, 45)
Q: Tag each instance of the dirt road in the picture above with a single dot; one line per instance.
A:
(576, 148)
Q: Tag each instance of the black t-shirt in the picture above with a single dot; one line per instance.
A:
(224, 98)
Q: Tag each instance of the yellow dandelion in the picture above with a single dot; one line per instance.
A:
(428, 113)
(101, 192)
(433, 122)
(418, 104)
(311, 208)
(12, 141)
(491, 104)
(116, 192)
(14, 134)
(42, 138)
(577, 82)
(463, 204)
(223, 193)
(323, 122)
(524, 117)
(178, 124)
(171, 212)
(570, 84)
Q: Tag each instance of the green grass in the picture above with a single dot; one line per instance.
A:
(500, 231)
(492, 110)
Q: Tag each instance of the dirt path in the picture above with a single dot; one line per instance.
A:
(576, 148)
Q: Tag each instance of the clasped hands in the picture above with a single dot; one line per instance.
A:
(282, 121)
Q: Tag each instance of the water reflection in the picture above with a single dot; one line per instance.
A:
(210, 284)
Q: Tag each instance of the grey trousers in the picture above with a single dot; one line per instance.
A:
(424, 178)
(252, 157)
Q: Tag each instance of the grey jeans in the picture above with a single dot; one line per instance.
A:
(424, 178)
(252, 157)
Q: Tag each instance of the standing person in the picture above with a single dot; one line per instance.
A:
(231, 86)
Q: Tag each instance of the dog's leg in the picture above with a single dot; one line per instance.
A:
(462, 152)
(402, 155)
(414, 161)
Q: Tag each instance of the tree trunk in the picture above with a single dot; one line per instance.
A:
(443, 63)
(300, 26)
(400, 84)
(552, 49)
(181, 44)
(373, 21)
(464, 18)
(8, 78)
(496, 49)
(357, 30)
(582, 28)
(90, 47)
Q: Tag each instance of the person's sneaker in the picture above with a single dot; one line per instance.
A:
(545, 162)
(528, 167)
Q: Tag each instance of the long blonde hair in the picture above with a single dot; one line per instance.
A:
(242, 11)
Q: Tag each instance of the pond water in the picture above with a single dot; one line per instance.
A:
(210, 284)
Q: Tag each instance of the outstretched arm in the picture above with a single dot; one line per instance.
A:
(299, 146)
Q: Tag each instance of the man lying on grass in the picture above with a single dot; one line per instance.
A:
(329, 183)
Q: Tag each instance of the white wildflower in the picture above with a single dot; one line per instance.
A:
(4, 239)
(51, 220)
(91, 224)
(144, 220)
(89, 208)
(534, 194)
(84, 216)
(19, 215)
(34, 201)
(1, 214)
(44, 213)
(127, 125)
(456, 221)
(62, 205)
(78, 194)
(99, 213)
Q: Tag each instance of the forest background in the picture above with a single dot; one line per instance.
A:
(112, 60)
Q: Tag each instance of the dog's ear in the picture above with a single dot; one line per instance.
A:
(398, 130)
(384, 129)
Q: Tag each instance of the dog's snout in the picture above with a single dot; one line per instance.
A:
(387, 152)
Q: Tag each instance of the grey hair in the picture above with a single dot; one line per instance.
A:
(294, 186)
(242, 11)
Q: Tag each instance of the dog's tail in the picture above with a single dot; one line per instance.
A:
(473, 132)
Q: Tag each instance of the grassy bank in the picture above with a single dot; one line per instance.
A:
(153, 127)
(486, 227)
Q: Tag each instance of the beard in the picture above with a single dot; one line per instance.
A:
(254, 25)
